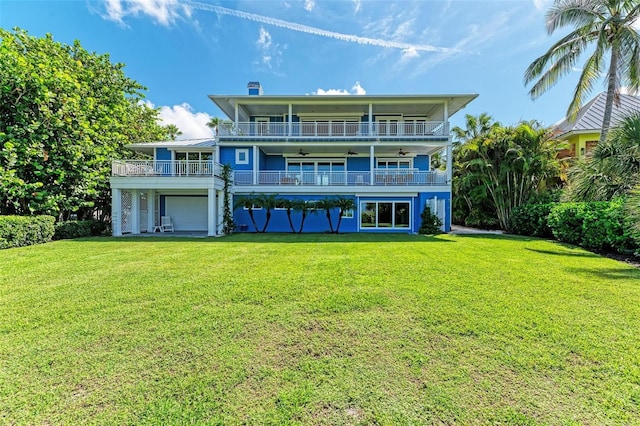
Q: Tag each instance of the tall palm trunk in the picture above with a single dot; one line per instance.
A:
(611, 93)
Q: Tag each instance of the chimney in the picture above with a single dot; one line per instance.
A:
(254, 88)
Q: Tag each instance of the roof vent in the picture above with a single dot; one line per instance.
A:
(254, 88)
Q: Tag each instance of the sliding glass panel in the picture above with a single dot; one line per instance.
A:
(402, 215)
(385, 215)
(368, 215)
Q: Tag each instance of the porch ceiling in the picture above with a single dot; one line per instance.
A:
(341, 151)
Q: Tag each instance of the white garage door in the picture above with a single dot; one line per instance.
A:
(187, 213)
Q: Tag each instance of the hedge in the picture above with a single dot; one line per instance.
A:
(19, 231)
(595, 225)
(80, 228)
(531, 220)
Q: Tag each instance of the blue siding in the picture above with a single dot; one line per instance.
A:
(274, 162)
(421, 162)
(262, 160)
(358, 164)
(163, 154)
(228, 156)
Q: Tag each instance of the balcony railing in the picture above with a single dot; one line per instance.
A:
(190, 168)
(376, 178)
(336, 129)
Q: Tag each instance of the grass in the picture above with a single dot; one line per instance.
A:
(318, 329)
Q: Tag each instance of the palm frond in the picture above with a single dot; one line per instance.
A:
(573, 12)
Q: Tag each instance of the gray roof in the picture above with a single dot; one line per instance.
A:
(200, 144)
(590, 116)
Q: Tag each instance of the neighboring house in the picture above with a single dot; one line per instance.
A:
(583, 133)
(373, 149)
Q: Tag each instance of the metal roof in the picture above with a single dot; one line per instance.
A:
(589, 118)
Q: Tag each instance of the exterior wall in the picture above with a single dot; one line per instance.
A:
(422, 162)
(358, 164)
(163, 154)
(317, 222)
(581, 144)
(228, 156)
(274, 162)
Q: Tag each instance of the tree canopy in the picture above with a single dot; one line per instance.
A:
(608, 25)
(65, 114)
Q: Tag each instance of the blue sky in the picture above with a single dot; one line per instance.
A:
(183, 51)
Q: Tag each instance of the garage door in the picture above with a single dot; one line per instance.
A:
(187, 213)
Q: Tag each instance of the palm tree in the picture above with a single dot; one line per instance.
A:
(267, 202)
(613, 169)
(248, 202)
(609, 25)
(213, 123)
(344, 204)
(327, 204)
(172, 131)
(475, 126)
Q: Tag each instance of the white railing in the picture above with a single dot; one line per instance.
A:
(377, 178)
(192, 168)
(336, 129)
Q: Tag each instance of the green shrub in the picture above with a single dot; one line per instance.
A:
(19, 231)
(80, 228)
(595, 225)
(429, 222)
(531, 219)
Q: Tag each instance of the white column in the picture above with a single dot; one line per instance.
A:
(151, 209)
(220, 206)
(446, 118)
(372, 163)
(212, 219)
(370, 119)
(255, 165)
(116, 212)
(216, 154)
(449, 162)
(290, 120)
(135, 211)
(236, 116)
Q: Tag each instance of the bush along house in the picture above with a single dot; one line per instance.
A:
(311, 163)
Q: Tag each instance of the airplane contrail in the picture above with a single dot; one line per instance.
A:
(317, 31)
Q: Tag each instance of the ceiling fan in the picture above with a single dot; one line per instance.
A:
(302, 153)
(350, 152)
(401, 152)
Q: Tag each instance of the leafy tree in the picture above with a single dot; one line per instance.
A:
(227, 216)
(609, 25)
(430, 223)
(327, 204)
(65, 114)
(507, 167)
(613, 169)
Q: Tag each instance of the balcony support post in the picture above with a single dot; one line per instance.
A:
(116, 212)
(151, 210)
(372, 162)
(135, 211)
(255, 165)
(212, 217)
(370, 118)
(290, 131)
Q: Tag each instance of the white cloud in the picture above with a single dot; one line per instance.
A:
(409, 54)
(165, 12)
(270, 52)
(351, 38)
(264, 40)
(357, 89)
(193, 125)
(309, 5)
(358, 5)
(541, 4)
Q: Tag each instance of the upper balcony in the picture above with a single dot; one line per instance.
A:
(412, 129)
(176, 168)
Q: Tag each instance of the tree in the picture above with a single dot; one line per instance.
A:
(475, 126)
(267, 202)
(172, 132)
(65, 114)
(213, 123)
(508, 167)
(248, 202)
(609, 25)
(344, 204)
(327, 204)
(613, 169)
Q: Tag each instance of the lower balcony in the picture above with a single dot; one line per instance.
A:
(176, 168)
(404, 177)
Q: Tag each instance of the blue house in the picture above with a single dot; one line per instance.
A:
(374, 150)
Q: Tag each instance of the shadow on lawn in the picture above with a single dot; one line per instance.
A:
(273, 237)
(563, 253)
(628, 273)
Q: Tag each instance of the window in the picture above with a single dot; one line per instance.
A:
(320, 172)
(242, 156)
(385, 214)
(194, 156)
(394, 164)
(347, 214)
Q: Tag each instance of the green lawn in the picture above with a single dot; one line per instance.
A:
(319, 329)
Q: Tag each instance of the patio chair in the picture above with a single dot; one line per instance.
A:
(166, 224)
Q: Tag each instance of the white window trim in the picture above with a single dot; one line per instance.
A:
(244, 151)
(393, 216)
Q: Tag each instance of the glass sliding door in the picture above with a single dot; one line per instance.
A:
(385, 215)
